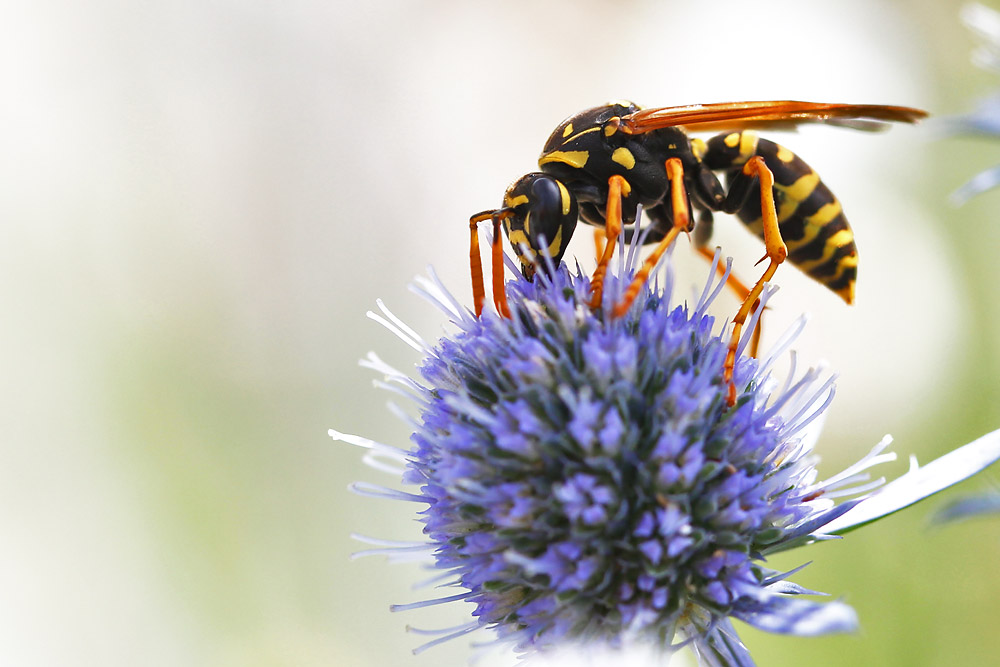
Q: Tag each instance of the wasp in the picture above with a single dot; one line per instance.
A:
(601, 164)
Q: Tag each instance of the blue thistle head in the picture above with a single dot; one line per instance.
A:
(586, 481)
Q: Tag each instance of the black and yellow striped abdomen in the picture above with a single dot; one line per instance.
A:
(819, 239)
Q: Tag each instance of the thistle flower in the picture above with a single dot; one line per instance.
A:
(582, 479)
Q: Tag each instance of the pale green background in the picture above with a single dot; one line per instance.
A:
(200, 200)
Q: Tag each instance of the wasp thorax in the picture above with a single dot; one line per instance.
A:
(544, 214)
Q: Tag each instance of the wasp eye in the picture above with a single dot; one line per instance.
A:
(546, 198)
(553, 217)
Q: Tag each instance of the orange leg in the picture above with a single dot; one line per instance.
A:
(776, 253)
(618, 187)
(499, 293)
(599, 241)
(682, 220)
(476, 263)
(742, 292)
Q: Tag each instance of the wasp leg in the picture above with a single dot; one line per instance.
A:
(682, 221)
(776, 253)
(599, 241)
(742, 292)
(476, 263)
(499, 292)
(618, 187)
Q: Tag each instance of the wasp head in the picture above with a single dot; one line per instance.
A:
(542, 215)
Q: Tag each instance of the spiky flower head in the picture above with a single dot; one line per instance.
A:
(583, 480)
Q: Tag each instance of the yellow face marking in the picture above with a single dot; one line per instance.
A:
(553, 248)
(610, 129)
(785, 155)
(732, 140)
(573, 158)
(517, 237)
(698, 147)
(515, 201)
(564, 197)
(580, 134)
(568, 130)
(624, 157)
(801, 188)
(748, 145)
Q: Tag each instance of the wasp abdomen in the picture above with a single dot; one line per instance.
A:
(812, 224)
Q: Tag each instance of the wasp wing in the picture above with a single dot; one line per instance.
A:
(783, 114)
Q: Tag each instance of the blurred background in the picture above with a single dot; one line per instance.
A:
(200, 200)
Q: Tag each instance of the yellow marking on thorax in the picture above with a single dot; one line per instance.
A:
(699, 148)
(748, 146)
(568, 130)
(573, 158)
(785, 155)
(801, 188)
(564, 197)
(624, 157)
(579, 134)
(515, 201)
(732, 140)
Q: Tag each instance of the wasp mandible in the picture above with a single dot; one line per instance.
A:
(599, 165)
